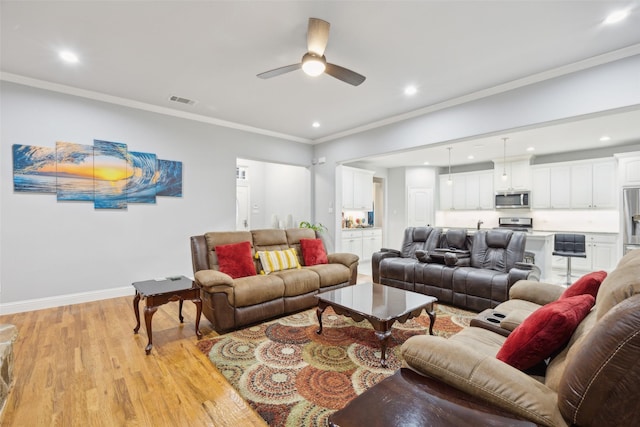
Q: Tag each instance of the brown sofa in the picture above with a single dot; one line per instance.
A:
(232, 303)
(593, 381)
(471, 271)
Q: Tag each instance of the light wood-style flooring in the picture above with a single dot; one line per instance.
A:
(81, 365)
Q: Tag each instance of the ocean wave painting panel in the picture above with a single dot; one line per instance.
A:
(169, 178)
(110, 174)
(141, 185)
(34, 169)
(74, 169)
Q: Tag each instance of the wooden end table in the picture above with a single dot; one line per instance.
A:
(159, 292)
(381, 305)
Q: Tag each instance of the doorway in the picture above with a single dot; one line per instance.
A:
(243, 203)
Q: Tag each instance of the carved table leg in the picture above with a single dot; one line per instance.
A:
(148, 314)
(136, 310)
(198, 303)
(319, 311)
(383, 337)
(432, 318)
(180, 311)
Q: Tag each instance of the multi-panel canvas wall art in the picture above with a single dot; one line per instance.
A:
(105, 173)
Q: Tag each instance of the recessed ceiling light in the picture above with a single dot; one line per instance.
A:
(68, 56)
(316, 124)
(616, 16)
(410, 90)
(531, 148)
(605, 138)
(470, 157)
(425, 163)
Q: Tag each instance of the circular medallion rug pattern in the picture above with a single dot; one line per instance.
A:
(293, 377)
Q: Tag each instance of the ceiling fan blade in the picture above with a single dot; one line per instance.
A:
(344, 74)
(278, 71)
(317, 36)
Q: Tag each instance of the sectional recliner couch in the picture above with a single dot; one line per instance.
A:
(469, 270)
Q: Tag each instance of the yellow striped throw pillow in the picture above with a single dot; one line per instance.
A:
(278, 260)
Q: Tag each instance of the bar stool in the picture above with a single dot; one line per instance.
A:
(570, 246)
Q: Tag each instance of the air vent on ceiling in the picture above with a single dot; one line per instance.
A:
(181, 100)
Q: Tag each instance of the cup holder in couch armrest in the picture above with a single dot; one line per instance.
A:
(523, 265)
(500, 315)
(488, 320)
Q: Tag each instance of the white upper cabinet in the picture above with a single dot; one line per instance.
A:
(446, 193)
(468, 191)
(485, 192)
(540, 188)
(593, 185)
(357, 189)
(581, 186)
(604, 185)
(575, 185)
(518, 175)
(560, 187)
(629, 168)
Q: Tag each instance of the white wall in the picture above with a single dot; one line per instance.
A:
(591, 91)
(51, 250)
(280, 190)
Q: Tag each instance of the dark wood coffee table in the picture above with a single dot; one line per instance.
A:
(159, 292)
(381, 305)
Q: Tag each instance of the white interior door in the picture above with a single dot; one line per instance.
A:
(420, 207)
(242, 207)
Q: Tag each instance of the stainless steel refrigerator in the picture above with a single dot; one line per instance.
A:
(631, 218)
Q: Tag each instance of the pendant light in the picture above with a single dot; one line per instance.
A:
(504, 159)
(449, 181)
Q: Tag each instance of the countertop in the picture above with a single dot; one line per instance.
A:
(538, 233)
(361, 228)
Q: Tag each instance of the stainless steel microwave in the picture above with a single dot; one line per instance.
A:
(513, 200)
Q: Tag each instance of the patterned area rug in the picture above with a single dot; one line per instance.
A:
(294, 377)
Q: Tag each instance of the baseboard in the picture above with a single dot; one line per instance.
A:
(60, 300)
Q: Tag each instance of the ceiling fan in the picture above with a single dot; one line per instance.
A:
(313, 62)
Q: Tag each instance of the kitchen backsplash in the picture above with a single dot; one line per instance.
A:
(596, 220)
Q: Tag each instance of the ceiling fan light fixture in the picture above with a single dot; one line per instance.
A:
(313, 65)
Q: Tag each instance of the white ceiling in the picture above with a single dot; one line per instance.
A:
(210, 52)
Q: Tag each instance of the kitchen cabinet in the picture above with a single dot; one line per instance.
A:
(459, 191)
(362, 242)
(559, 187)
(371, 242)
(357, 189)
(601, 250)
(518, 175)
(446, 193)
(540, 188)
(485, 192)
(629, 168)
(468, 191)
(575, 185)
(352, 242)
(551, 187)
(593, 185)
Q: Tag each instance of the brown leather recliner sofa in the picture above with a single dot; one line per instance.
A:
(471, 271)
(232, 303)
(593, 381)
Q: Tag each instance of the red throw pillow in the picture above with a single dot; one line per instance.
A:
(546, 330)
(235, 259)
(587, 284)
(313, 252)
